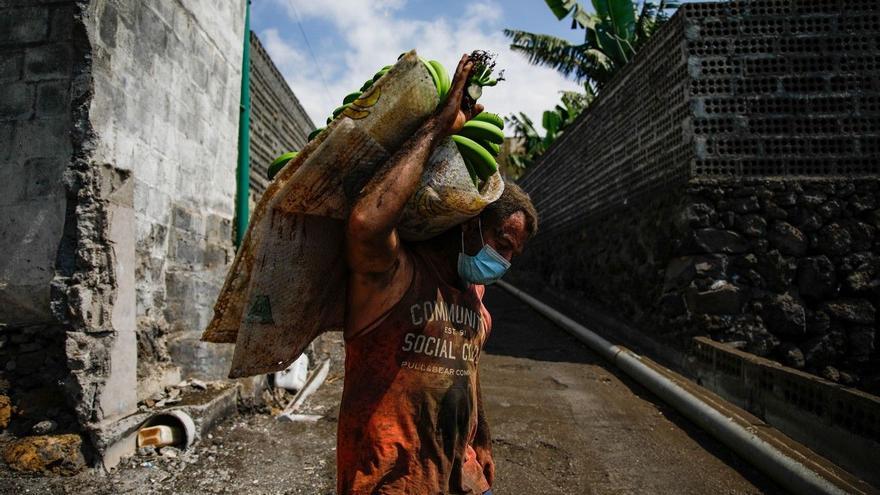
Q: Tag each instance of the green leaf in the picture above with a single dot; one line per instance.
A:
(561, 8)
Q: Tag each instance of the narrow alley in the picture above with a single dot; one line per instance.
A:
(562, 423)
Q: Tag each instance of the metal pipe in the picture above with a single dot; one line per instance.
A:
(785, 470)
(242, 171)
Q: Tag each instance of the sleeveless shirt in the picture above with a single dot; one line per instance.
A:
(409, 404)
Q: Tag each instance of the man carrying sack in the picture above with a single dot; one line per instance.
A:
(411, 419)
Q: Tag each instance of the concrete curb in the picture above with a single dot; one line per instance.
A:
(789, 463)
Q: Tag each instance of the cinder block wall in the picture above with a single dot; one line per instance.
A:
(166, 108)
(45, 302)
(725, 184)
(279, 123)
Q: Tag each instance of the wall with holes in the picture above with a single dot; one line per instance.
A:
(725, 184)
(279, 123)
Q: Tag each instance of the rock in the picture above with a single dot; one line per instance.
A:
(146, 451)
(817, 278)
(834, 239)
(745, 205)
(169, 452)
(44, 427)
(865, 277)
(724, 298)
(717, 241)
(862, 236)
(847, 379)
(777, 270)
(775, 212)
(831, 209)
(858, 311)
(784, 316)
(818, 322)
(698, 215)
(679, 273)
(861, 343)
(58, 454)
(787, 238)
(824, 350)
(787, 199)
(862, 202)
(762, 343)
(199, 384)
(830, 373)
(5, 411)
(751, 225)
(792, 356)
(812, 199)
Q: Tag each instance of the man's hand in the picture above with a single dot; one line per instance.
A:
(484, 458)
(450, 116)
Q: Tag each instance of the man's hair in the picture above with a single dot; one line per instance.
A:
(512, 200)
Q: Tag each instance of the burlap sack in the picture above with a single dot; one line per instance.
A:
(446, 196)
(288, 281)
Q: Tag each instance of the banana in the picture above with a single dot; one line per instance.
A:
(355, 113)
(382, 72)
(434, 76)
(482, 161)
(369, 99)
(492, 118)
(470, 169)
(476, 129)
(445, 83)
(351, 97)
(366, 85)
(494, 149)
(280, 162)
(339, 110)
(314, 134)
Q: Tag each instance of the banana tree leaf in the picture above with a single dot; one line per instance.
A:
(561, 8)
(551, 122)
(621, 15)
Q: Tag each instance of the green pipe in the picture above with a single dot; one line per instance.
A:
(242, 171)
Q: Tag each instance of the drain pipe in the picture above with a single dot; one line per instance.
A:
(243, 169)
(785, 470)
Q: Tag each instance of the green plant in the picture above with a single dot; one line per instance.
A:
(612, 36)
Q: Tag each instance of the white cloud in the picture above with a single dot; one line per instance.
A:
(375, 34)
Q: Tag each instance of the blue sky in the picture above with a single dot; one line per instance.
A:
(353, 38)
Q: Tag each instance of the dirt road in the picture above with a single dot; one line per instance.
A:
(562, 423)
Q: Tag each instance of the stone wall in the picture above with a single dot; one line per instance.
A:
(734, 198)
(785, 269)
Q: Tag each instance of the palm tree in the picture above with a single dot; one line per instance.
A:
(613, 35)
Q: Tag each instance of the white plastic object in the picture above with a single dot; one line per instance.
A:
(294, 377)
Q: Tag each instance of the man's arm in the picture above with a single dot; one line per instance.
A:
(380, 274)
(482, 444)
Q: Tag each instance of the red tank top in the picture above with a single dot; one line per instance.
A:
(409, 404)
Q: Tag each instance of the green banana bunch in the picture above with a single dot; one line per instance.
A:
(479, 142)
(439, 76)
(280, 162)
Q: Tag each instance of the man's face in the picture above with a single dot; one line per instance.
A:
(508, 239)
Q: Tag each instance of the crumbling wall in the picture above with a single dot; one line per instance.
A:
(744, 206)
(167, 81)
(50, 218)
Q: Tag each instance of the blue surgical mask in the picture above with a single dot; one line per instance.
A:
(485, 268)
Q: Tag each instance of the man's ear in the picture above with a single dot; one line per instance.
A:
(469, 225)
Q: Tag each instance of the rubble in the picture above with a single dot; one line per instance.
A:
(58, 454)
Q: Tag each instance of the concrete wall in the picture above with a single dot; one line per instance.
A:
(45, 301)
(167, 84)
(735, 198)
